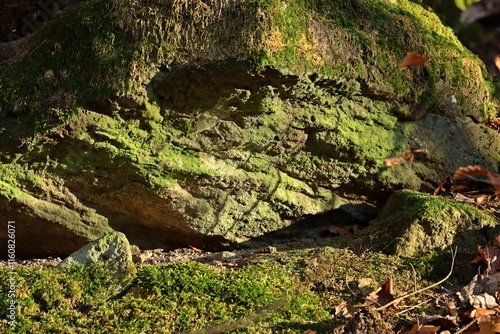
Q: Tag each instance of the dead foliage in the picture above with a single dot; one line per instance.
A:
(408, 156)
(413, 59)
(478, 310)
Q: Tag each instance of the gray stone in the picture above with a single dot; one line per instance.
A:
(112, 249)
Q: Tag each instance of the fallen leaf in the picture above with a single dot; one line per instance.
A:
(444, 186)
(195, 249)
(483, 301)
(489, 256)
(398, 159)
(496, 60)
(495, 324)
(489, 322)
(494, 123)
(412, 59)
(464, 172)
(477, 291)
(495, 181)
(443, 322)
(423, 329)
(344, 310)
(382, 295)
(482, 199)
(309, 331)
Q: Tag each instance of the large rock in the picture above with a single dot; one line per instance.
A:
(196, 127)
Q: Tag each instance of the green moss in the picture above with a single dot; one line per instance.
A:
(288, 292)
(412, 224)
(367, 43)
(15, 179)
(101, 49)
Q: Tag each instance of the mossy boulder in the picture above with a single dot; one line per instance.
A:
(412, 224)
(205, 123)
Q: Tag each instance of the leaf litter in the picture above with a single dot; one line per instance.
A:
(478, 310)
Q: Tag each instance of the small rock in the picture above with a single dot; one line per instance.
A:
(112, 249)
(270, 250)
(224, 256)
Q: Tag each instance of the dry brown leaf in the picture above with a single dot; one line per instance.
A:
(463, 172)
(482, 199)
(496, 60)
(309, 331)
(338, 230)
(495, 181)
(480, 292)
(398, 159)
(495, 324)
(423, 329)
(494, 124)
(344, 310)
(412, 59)
(197, 250)
(444, 186)
(496, 240)
(489, 323)
(489, 256)
(382, 295)
(478, 311)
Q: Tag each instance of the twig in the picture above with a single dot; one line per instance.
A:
(412, 307)
(414, 276)
(463, 329)
(397, 300)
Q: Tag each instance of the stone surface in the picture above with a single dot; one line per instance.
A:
(113, 250)
(412, 224)
(231, 128)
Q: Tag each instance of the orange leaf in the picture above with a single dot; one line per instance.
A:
(497, 61)
(423, 329)
(444, 186)
(495, 324)
(382, 295)
(339, 230)
(481, 199)
(480, 258)
(482, 311)
(398, 159)
(494, 123)
(490, 256)
(463, 172)
(495, 181)
(195, 249)
(412, 59)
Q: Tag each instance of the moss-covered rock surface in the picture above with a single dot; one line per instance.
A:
(208, 123)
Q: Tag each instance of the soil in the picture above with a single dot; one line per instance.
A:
(233, 259)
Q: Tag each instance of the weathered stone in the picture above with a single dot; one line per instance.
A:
(113, 250)
(232, 128)
(412, 224)
(53, 225)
